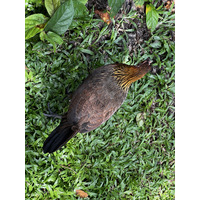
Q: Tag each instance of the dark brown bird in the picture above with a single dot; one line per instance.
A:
(95, 101)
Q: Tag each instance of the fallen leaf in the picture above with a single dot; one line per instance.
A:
(104, 16)
(81, 194)
(26, 68)
(140, 119)
(168, 5)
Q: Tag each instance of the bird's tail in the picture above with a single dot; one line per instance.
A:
(59, 136)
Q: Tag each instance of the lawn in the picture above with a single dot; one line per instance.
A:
(132, 155)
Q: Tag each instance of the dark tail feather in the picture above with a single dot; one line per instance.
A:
(60, 136)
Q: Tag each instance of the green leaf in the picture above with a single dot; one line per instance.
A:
(42, 35)
(87, 51)
(55, 37)
(37, 46)
(62, 18)
(115, 6)
(156, 44)
(80, 10)
(83, 1)
(80, 13)
(52, 6)
(34, 24)
(50, 40)
(151, 17)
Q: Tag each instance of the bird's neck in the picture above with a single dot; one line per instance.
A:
(126, 75)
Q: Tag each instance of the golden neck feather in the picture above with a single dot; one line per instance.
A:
(125, 74)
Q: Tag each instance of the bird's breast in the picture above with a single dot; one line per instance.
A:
(95, 101)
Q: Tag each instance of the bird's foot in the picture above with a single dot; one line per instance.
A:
(54, 115)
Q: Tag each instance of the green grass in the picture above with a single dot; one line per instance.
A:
(123, 158)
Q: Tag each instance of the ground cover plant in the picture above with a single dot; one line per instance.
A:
(131, 156)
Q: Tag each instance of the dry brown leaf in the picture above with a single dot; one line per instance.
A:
(168, 4)
(104, 16)
(26, 68)
(81, 194)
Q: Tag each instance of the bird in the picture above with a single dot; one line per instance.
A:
(98, 97)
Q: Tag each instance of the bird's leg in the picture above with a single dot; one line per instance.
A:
(52, 114)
